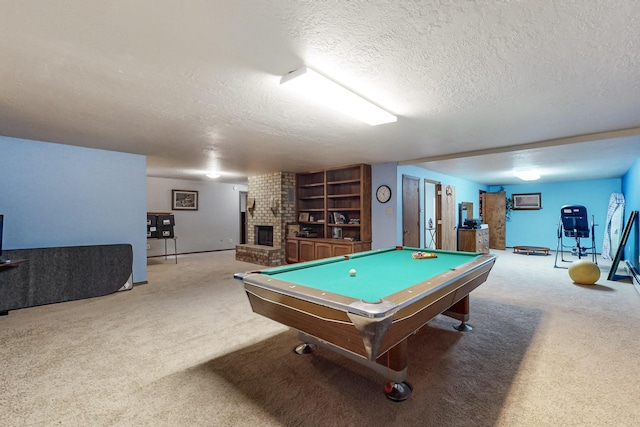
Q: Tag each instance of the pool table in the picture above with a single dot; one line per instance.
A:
(366, 305)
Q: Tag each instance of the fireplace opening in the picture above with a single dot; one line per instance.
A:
(264, 235)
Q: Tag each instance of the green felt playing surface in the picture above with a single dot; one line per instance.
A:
(378, 273)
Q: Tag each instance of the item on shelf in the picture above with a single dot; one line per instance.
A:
(337, 233)
(340, 218)
(473, 223)
(292, 230)
(307, 232)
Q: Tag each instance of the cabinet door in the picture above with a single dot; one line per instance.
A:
(292, 250)
(483, 241)
(339, 250)
(306, 251)
(323, 250)
(466, 240)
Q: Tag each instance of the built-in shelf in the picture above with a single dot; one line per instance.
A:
(342, 193)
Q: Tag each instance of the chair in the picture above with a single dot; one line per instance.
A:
(574, 223)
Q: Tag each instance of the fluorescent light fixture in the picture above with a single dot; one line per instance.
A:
(319, 88)
(528, 175)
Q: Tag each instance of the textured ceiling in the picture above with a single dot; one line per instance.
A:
(194, 85)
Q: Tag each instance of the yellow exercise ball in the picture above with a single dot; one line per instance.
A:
(584, 272)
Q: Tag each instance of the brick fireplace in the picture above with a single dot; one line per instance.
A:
(264, 235)
(270, 207)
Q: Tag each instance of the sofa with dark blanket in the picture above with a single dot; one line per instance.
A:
(51, 275)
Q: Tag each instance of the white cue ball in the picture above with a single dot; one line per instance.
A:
(352, 272)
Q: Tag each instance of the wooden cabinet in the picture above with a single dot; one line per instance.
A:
(473, 240)
(300, 249)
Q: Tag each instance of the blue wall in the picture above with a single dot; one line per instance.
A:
(540, 227)
(537, 228)
(631, 191)
(465, 191)
(61, 195)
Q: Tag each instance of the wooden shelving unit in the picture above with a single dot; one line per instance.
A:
(335, 199)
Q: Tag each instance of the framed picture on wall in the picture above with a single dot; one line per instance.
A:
(185, 200)
(528, 201)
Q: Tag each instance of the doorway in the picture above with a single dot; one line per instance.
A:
(243, 217)
(430, 214)
(410, 211)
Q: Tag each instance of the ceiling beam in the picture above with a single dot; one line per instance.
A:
(529, 146)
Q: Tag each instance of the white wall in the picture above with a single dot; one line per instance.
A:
(214, 226)
(384, 216)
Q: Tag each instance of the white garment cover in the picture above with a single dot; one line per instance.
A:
(613, 226)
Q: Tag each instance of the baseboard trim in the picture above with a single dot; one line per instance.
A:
(635, 275)
(189, 253)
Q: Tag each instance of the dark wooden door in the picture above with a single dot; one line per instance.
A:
(410, 211)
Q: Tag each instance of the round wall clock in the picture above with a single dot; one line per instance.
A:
(383, 194)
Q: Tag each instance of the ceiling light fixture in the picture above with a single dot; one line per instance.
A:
(529, 175)
(316, 86)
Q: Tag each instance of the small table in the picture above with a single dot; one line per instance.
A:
(369, 316)
(175, 247)
(531, 249)
(432, 237)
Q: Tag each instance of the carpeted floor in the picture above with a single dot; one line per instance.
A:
(186, 350)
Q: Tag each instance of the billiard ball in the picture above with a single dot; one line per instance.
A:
(352, 272)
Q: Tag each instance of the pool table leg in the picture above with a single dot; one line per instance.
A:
(396, 359)
(460, 311)
(392, 364)
(305, 348)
